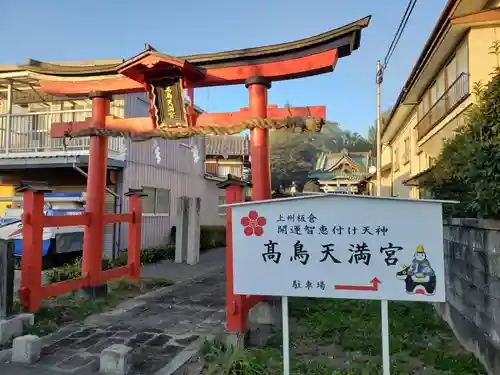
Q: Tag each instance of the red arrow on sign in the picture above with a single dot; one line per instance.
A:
(374, 287)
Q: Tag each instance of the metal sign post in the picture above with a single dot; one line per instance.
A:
(286, 336)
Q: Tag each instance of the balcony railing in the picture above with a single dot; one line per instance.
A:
(30, 133)
(222, 170)
(456, 93)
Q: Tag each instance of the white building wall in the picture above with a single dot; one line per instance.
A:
(176, 171)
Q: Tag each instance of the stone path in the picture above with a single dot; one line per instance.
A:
(157, 326)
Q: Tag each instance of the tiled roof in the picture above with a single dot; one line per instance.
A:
(227, 145)
(328, 160)
(354, 176)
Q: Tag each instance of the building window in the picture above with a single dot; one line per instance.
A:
(396, 160)
(222, 210)
(157, 202)
(211, 168)
(406, 152)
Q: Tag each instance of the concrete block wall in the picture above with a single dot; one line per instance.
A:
(472, 266)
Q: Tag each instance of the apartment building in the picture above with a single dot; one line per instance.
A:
(434, 100)
(165, 169)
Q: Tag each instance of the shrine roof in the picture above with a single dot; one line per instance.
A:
(345, 39)
(352, 175)
(329, 161)
(82, 65)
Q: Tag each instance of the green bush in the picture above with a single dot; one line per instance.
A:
(156, 255)
(69, 271)
(73, 270)
(120, 260)
(211, 236)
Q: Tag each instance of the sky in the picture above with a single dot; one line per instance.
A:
(63, 30)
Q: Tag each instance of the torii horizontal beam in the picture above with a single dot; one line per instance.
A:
(205, 123)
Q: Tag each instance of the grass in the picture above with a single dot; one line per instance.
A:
(342, 337)
(59, 311)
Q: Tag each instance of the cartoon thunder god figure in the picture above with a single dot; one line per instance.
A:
(419, 277)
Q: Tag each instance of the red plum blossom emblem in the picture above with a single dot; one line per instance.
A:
(253, 224)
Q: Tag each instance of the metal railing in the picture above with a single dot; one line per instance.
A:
(30, 132)
(456, 93)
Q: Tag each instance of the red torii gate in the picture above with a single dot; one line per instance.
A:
(164, 77)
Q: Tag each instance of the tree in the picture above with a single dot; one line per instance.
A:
(293, 156)
(468, 167)
(355, 142)
(372, 134)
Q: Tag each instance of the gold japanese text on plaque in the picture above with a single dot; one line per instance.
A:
(168, 105)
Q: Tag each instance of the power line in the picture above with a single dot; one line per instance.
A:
(388, 58)
(399, 32)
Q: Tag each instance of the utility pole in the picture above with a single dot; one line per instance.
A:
(384, 307)
(379, 130)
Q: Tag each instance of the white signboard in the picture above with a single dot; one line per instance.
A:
(338, 246)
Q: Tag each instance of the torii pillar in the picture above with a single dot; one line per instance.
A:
(259, 139)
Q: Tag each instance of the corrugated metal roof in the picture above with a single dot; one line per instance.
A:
(227, 145)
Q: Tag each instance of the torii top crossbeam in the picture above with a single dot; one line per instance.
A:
(162, 75)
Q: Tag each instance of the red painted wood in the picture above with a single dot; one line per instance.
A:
(31, 261)
(251, 301)
(155, 64)
(236, 314)
(134, 237)
(93, 235)
(116, 85)
(231, 118)
(65, 221)
(319, 63)
(307, 66)
(114, 273)
(117, 218)
(63, 287)
(145, 124)
(259, 144)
